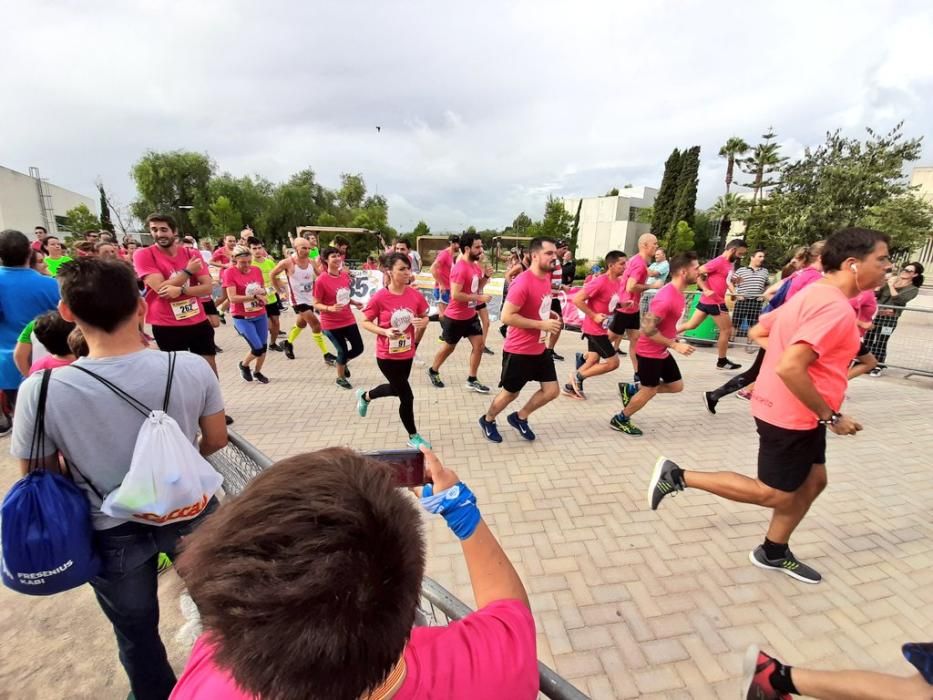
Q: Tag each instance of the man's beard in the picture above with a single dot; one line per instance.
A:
(164, 242)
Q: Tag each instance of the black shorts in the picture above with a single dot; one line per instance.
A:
(601, 345)
(652, 371)
(555, 307)
(863, 349)
(518, 370)
(274, 308)
(624, 322)
(301, 308)
(480, 307)
(210, 308)
(785, 457)
(452, 330)
(197, 338)
(712, 309)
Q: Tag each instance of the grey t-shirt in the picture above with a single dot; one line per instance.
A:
(96, 429)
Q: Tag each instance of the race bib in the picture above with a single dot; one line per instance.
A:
(343, 296)
(887, 330)
(306, 287)
(399, 344)
(252, 305)
(613, 303)
(186, 308)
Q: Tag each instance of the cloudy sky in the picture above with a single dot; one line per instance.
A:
(485, 107)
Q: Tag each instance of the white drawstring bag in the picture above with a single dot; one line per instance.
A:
(168, 480)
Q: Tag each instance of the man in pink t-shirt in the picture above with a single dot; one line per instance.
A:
(810, 342)
(530, 319)
(176, 278)
(598, 301)
(328, 608)
(657, 368)
(461, 319)
(713, 280)
(865, 306)
(440, 271)
(634, 281)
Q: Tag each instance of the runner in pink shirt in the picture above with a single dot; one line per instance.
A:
(461, 319)
(528, 314)
(634, 281)
(332, 299)
(244, 286)
(598, 301)
(713, 280)
(810, 343)
(865, 306)
(395, 313)
(440, 270)
(656, 366)
(332, 614)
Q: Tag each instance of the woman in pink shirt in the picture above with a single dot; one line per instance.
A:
(394, 313)
(865, 305)
(246, 291)
(308, 583)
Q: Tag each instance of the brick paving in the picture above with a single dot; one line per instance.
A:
(629, 602)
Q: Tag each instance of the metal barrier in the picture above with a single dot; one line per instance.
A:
(240, 461)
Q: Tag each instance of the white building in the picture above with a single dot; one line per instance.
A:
(24, 205)
(611, 223)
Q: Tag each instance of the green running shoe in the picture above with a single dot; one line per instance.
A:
(416, 441)
(624, 426)
(362, 405)
(164, 563)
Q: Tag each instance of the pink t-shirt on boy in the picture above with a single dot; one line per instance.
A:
(469, 276)
(388, 310)
(602, 296)
(668, 305)
(184, 310)
(717, 271)
(331, 290)
(635, 269)
(532, 295)
(48, 362)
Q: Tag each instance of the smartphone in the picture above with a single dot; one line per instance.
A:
(921, 656)
(407, 465)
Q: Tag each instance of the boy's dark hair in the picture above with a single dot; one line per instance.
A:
(308, 581)
(393, 258)
(614, 256)
(44, 229)
(162, 218)
(850, 243)
(682, 260)
(404, 241)
(736, 243)
(252, 240)
(454, 238)
(78, 344)
(467, 240)
(14, 248)
(52, 331)
(101, 293)
(340, 240)
(327, 252)
(538, 243)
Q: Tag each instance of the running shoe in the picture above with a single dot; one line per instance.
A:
(663, 482)
(756, 676)
(555, 356)
(921, 656)
(416, 441)
(289, 349)
(788, 564)
(490, 431)
(246, 373)
(709, 401)
(521, 426)
(330, 359)
(576, 383)
(487, 350)
(620, 352)
(164, 563)
(228, 420)
(261, 378)
(568, 390)
(343, 383)
(626, 392)
(726, 363)
(474, 385)
(362, 405)
(580, 360)
(282, 334)
(223, 319)
(275, 347)
(876, 372)
(346, 371)
(435, 378)
(636, 379)
(6, 425)
(624, 425)
(743, 394)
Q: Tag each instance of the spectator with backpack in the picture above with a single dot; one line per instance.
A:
(112, 386)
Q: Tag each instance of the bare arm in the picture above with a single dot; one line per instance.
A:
(702, 279)
(213, 433)
(373, 328)
(759, 334)
(579, 300)
(280, 267)
(649, 329)
(22, 355)
(456, 292)
(792, 369)
(243, 298)
(50, 463)
(632, 286)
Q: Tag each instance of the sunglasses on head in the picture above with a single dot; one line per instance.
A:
(910, 270)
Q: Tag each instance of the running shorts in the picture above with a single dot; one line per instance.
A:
(210, 308)
(301, 308)
(518, 370)
(197, 338)
(555, 307)
(652, 371)
(601, 345)
(712, 309)
(453, 330)
(622, 322)
(274, 308)
(785, 457)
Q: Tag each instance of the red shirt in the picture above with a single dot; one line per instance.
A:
(802, 278)
(331, 290)
(184, 310)
(602, 296)
(823, 319)
(388, 310)
(636, 269)
(468, 275)
(668, 305)
(717, 271)
(232, 277)
(442, 265)
(532, 295)
(220, 255)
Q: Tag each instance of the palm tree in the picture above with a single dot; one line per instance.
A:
(730, 207)
(761, 164)
(735, 146)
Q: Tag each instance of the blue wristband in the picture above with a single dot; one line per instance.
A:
(457, 505)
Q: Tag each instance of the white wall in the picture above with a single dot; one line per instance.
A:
(19, 201)
(605, 222)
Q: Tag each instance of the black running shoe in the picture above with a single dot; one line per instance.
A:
(246, 373)
(920, 654)
(435, 378)
(346, 371)
(487, 351)
(620, 352)
(709, 401)
(726, 363)
(330, 359)
(343, 383)
(555, 356)
(274, 346)
(261, 378)
(228, 420)
(788, 564)
(662, 482)
(289, 349)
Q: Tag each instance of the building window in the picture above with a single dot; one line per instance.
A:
(633, 213)
(62, 223)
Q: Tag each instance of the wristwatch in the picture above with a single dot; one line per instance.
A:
(832, 420)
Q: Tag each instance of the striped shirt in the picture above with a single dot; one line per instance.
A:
(753, 282)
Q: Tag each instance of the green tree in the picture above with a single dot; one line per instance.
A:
(667, 195)
(520, 224)
(421, 229)
(250, 196)
(575, 229)
(686, 200)
(105, 223)
(680, 239)
(764, 163)
(352, 190)
(225, 218)
(81, 219)
(171, 182)
(906, 218)
(645, 215)
(614, 192)
(557, 220)
(733, 148)
(327, 219)
(704, 231)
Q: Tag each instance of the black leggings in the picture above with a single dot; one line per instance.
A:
(397, 373)
(343, 337)
(740, 381)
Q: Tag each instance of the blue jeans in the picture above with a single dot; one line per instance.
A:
(254, 330)
(127, 592)
(347, 341)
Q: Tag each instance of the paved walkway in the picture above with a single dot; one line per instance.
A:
(629, 603)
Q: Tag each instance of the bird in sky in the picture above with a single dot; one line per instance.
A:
(379, 129)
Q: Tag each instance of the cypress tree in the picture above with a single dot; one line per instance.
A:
(105, 223)
(667, 195)
(685, 202)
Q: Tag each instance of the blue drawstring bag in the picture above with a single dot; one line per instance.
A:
(46, 537)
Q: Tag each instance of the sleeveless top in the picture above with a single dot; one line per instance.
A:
(302, 283)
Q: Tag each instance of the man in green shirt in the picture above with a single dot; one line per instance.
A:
(56, 256)
(265, 263)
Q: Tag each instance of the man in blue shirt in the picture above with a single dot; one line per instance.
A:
(24, 294)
